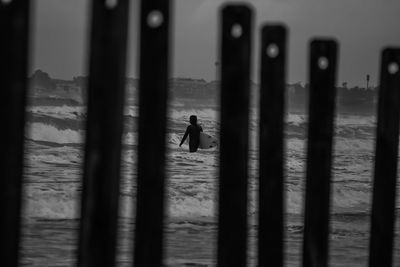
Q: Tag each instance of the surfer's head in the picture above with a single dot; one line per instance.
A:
(193, 119)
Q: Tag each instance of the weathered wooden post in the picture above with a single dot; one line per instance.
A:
(271, 147)
(323, 61)
(235, 86)
(386, 157)
(14, 31)
(104, 127)
(153, 88)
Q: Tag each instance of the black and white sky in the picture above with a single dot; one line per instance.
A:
(363, 28)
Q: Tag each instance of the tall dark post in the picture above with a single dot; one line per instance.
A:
(235, 86)
(104, 127)
(153, 86)
(272, 109)
(14, 29)
(386, 156)
(319, 152)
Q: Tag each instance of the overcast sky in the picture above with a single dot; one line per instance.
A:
(363, 28)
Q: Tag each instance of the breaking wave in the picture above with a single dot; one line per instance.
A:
(50, 133)
(55, 204)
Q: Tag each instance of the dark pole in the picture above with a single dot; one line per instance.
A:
(104, 127)
(386, 157)
(153, 89)
(271, 164)
(235, 86)
(319, 152)
(14, 30)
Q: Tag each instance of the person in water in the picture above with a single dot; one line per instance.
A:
(193, 130)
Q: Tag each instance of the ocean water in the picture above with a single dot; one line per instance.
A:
(52, 187)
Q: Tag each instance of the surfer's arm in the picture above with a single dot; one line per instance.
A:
(184, 136)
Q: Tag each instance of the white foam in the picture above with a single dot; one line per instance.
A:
(132, 111)
(195, 201)
(191, 207)
(296, 144)
(350, 199)
(204, 114)
(49, 133)
(354, 145)
(51, 204)
(355, 120)
(294, 199)
(130, 138)
(296, 119)
(175, 139)
(61, 158)
(60, 112)
(193, 195)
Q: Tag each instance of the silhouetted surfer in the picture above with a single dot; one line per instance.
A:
(193, 130)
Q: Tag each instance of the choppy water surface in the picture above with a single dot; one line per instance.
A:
(53, 157)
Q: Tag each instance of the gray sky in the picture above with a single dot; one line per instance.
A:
(363, 28)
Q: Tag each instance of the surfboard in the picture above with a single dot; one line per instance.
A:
(207, 141)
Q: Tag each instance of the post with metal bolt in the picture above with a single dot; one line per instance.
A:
(271, 164)
(386, 157)
(153, 89)
(235, 86)
(323, 63)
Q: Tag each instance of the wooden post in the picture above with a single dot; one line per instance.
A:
(235, 87)
(14, 44)
(319, 152)
(271, 163)
(153, 88)
(104, 127)
(386, 156)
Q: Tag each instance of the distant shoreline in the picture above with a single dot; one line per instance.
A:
(198, 92)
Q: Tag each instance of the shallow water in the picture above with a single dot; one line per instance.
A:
(53, 159)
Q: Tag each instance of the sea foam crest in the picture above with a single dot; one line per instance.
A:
(202, 114)
(50, 133)
(61, 112)
(65, 205)
(50, 204)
